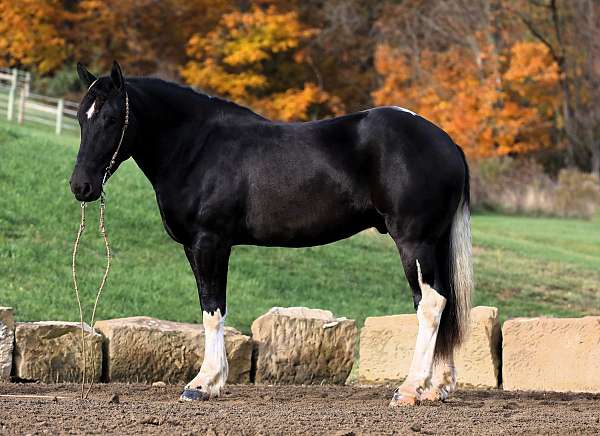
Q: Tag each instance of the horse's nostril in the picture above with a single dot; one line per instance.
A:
(86, 189)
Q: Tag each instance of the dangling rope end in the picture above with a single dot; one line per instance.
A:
(102, 229)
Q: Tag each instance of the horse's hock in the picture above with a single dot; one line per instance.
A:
(297, 345)
(387, 344)
(143, 349)
(50, 352)
(551, 354)
(7, 339)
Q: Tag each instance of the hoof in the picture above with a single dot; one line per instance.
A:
(432, 395)
(437, 395)
(400, 400)
(193, 395)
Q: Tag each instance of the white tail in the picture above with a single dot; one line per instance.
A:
(461, 265)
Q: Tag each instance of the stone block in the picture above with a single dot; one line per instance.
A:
(551, 354)
(298, 345)
(147, 350)
(50, 352)
(387, 344)
(7, 340)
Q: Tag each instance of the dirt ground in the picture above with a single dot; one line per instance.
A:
(338, 410)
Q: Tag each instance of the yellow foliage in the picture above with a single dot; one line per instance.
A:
(212, 76)
(233, 59)
(293, 103)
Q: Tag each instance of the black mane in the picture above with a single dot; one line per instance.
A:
(157, 86)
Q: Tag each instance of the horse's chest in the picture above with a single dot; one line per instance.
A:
(175, 218)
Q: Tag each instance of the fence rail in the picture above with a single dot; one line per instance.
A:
(19, 104)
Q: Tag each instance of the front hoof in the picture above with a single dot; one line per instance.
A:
(400, 400)
(191, 394)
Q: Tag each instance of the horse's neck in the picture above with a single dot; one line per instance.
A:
(171, 121)
(161, 124)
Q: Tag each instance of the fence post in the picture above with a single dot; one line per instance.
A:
(60, 106)
(11, 95)
(22, 106)
(27, 83)
(11, 104)
(13, 81)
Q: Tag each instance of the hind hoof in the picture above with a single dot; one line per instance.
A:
(432, 395)
(193, 395)
(401, 400)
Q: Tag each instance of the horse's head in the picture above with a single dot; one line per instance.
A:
(102, 118)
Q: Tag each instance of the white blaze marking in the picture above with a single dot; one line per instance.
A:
(214, 370)
(398, 108)
(429, 314)
(90, 111)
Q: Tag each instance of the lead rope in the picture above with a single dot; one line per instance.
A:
(102, 229)
(73, 270)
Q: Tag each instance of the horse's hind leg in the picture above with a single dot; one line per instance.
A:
(443, 380)
(418, 259)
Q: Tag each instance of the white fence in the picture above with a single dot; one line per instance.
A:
(19, 104)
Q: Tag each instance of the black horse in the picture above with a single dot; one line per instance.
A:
(225, 176)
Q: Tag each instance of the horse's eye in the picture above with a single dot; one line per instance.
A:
(111, 120)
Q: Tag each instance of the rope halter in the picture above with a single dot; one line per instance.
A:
(113, 159)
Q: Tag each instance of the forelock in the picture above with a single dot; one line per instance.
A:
(95, 97)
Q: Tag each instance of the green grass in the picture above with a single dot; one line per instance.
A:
(524, 266)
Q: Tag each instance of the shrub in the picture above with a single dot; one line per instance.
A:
(521, 186)
(577, 194)
(63, 83)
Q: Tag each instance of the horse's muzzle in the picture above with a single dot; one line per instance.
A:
(85, 191)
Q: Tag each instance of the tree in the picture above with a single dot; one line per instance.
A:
(146, 36)
(493, 95)
(570, 31)
(31, 33)
(257, 58)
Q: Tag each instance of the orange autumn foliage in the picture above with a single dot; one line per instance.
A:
(255, 58)
(489, 108)
(29, 35)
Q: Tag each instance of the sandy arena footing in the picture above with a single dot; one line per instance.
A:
(340, 410)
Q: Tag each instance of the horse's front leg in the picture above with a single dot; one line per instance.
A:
(209, 258)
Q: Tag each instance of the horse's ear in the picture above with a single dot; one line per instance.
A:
(117, 76)
(85, 76)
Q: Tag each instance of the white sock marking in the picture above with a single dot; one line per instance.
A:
(443, 379)
(90, 111)
(214, 370)
(429, 314)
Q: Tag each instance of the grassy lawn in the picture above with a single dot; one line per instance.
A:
(524, 266)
